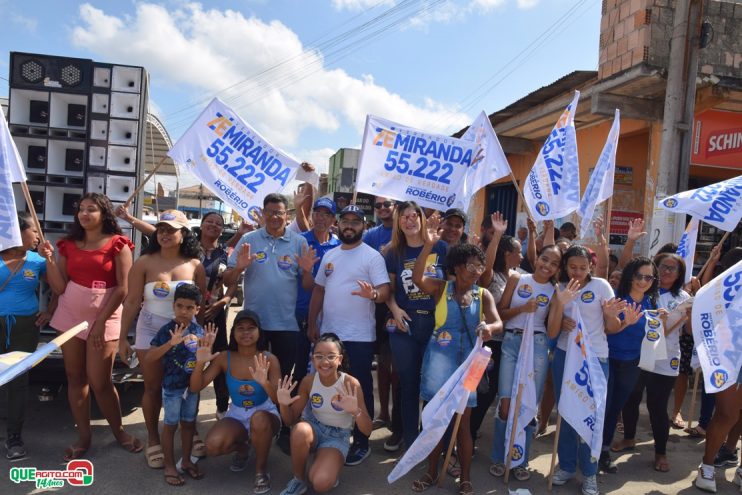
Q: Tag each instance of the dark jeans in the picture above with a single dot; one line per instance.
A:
(484, 401)
(360, 357)
(220, 344)
(24, 337)
(281, 344)
(708, 401)
(659, 387)
(621, 381)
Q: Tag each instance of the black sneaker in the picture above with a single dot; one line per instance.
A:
(356, 455)
(393, 443)
(284, 442)
(606, 464)
(726, 458)
(15, 448)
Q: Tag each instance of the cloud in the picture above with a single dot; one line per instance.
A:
(200, 52)
(359, 4)
(28, 23)
(527, 4)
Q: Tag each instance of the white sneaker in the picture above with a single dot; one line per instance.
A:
(561, 477)
(590, 485)
(705, 480)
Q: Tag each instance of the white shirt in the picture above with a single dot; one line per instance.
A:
(590, 303)
(350, 317)
(527, 289)
(671, 365)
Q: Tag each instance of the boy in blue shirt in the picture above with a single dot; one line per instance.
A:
(175, 345)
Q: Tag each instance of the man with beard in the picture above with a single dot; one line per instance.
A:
(350, 280)
(379, 236)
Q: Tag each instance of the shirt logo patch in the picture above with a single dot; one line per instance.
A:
(588, 296)
(29, 275)
(542, 300)
(261, 257)
(674, 363)
(444, 338)
(161, 289)
(246, 389)
(248, 403)
(653, 336)
(653, 323)
(316, 400)
(525, 291)
(334, 402)
(329, 268)
(190, 365)
(191, 342)
(284, 262)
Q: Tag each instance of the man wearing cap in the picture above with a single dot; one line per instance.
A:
(321, 240)
(350, 280)
(454, 221)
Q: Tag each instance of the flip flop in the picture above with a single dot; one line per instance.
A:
(174, 480)
(696, 432)
(627, 448)
(133, 445)
(194, 472)
(73, 452)
(422, 484)
(661, 465)
(678, 424)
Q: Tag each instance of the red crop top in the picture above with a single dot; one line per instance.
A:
(85, 267)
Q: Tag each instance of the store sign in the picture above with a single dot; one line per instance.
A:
(717, 139)
(620, 221)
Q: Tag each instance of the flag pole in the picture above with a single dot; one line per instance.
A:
(705, 265)
(513, 430)
(146, 179)
(693, 399)
(451, 443)
(554, 449)
(32, 210)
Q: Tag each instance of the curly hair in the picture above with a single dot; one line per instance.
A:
(460, 254)
(109, 223)
(627, 276)
(678, 284)
(190, 248)
(574, 251)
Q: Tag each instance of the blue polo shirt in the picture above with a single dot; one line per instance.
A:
(303, 297)
(18, 297)
(626, 345)
(377, 237)
(270, 280)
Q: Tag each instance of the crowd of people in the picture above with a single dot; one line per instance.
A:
(325, 298)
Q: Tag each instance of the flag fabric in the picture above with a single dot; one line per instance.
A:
(584, 388)
(552, 189)
(717, 329)
(687, 247)
(600, 186)
(654, 346)
(408, 164)
(12, 158)
(233, 160)
(10, 229)
(437, 415)
(489, 164)
(717, 204)
(524, 375)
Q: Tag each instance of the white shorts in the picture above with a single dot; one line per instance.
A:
(243, 415)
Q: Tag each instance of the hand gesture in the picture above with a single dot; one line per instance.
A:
(122, 211)
(347, 397)
(613, 307)
(715, 255)
(260, 372)
(300, 196)
(307, 259)
(178, 334)
(205, 343)
(499, 223)
(530, 306)
(475, 240)
(125, 350)
(46, 250)
(598, 229)
(283, 394)
(244, 256)
(401, 318)
(431, 235)
(244, 228)
(568, 324)
(636, 229)
(531, 226)
(548, 224)
(365, 289)
(632, 313)
(569, 293)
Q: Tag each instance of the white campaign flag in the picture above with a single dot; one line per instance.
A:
(600, 186)
(524, 375)
(436, 416)
(489, 163)
(232, 160)
(687, 247)
(10, 230)
(552, 189)
(718, 204)
(654, 344)
(717, 329)
(584, 388)
(407, 164)
(13, 163)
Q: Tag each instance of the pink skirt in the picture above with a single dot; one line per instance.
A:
(79, 304)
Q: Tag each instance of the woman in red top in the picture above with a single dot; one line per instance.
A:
(95, 260)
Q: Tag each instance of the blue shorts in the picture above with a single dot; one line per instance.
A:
(179, 405)
(329, 437)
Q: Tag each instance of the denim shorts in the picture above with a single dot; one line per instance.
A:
(180, 405)
(329, 437)
(510, 350)
(244, 415)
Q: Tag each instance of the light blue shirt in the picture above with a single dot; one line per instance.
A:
(270, 281)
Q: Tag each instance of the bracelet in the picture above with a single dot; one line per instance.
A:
(374, 295)
(358, 413)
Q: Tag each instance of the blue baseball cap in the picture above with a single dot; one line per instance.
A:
(353, 210)
(325, 203)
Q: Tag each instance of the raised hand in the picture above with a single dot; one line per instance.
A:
(530, 306)
(365, 290)
(632, 313)
(300, 196)
(283, 394)
(569, 293)
(613, 307)
(260, 372)
(499, 223)
(122, 211)
(636, 229)
(177, 335)
(475, 240)
(431, 235)
(307, 259)
(205, 343)
(599, 231)
(245, 257)
(531, 226)
(347, 397)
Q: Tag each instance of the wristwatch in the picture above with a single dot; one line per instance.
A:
(374, 295)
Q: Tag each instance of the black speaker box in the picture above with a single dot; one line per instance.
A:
(69, 204)
(36, 157)
(76, 115)
(37, 197)
(73, 160)
(33, 70)
(38, 112)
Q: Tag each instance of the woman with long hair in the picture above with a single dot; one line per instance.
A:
(172, 257)
(95, 259)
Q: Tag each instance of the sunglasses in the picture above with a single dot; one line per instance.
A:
(383, 204)
(646, 278)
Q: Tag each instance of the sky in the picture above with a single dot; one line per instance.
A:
(305, 73)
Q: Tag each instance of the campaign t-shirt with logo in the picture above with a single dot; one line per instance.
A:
(626, 345)
(179, 361)
(527, 289)
(590, 303)
(407, 295)
(19, 295)
(671, 365)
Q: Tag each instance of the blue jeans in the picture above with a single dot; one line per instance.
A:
(360, 357)
(510, 350)
(621, 381)
(571, 448)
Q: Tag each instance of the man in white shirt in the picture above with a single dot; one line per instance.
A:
(350, 280)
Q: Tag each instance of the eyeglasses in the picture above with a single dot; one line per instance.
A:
(472, 268)
(351, 223)
(383, 204)
(668, 268)
(412, 217)
(274, 213)
(646, 278)
(329, 358)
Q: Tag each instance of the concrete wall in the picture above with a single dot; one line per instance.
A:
(724, 56)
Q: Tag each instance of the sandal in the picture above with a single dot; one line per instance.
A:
(521, 474)
(174, 480)
(453, 469)
(155, 457)
(620, 446)
(661, 465)
(422, 484)
(133, 445)
(72, 452)
(262, 483)
(619, 427)
(678, 423)
(198, 448)
(465, 488)
(497, 470)
(194, 472)
(696, 432)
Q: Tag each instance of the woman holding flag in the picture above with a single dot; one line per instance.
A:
(463, 312)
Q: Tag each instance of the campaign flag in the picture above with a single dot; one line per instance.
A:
(552, 189)
(718, 204)
(232, 160)
(524, 375)
(687, 247)
(600, 186)
(436, 416)
(12, 158)
(403, 163)
(489, 162)
(717, 329)
(584, 388)
(10, 230)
